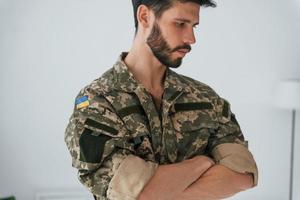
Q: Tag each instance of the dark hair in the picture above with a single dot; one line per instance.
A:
(159, 6)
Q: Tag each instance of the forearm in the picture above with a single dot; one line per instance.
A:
(171, 180)
(218, 182)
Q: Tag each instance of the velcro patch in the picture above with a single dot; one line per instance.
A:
(192, 106)
(91, 146)
(100, 126)
(130, 110)
(226, 109)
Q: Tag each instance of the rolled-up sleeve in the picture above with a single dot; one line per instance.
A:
(130, 178)
(237, 158)
(227, 145)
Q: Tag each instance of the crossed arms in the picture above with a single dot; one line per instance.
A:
(199, 178)
(195, 179)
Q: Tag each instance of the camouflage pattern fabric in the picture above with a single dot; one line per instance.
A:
(119, 118)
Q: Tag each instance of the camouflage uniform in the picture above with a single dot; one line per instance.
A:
(121, 119)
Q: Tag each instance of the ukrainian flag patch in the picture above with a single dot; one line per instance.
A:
(82, 102)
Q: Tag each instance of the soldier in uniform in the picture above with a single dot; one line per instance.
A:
(143, 131)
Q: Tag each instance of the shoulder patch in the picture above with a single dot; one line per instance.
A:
(82, 102)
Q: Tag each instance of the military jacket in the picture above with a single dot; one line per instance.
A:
(115, 116)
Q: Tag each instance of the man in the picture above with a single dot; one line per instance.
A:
(142, 131)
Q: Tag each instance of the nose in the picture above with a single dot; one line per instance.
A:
(189, 36)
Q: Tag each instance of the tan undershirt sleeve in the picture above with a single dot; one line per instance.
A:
(237, 158)
(130, 178)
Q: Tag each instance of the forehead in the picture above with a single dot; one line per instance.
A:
(188, 10)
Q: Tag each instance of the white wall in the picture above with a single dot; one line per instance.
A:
(49, 49)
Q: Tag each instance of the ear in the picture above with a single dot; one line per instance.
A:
(143, 16)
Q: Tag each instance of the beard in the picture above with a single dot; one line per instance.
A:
(162, 50)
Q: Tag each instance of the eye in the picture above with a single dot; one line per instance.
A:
(180, 24)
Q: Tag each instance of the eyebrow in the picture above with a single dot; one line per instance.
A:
(185, 20)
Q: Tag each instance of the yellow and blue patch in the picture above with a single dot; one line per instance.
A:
(82, 102)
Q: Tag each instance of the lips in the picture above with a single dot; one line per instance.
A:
(182, 52)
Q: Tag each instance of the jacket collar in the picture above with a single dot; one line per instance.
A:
(125, 81)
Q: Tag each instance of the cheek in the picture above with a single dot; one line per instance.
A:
(171, 32)
(174, 37)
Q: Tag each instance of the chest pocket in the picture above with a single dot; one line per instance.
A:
(192, 123)
(137, 123)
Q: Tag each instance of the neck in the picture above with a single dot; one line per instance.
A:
(145, 67)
